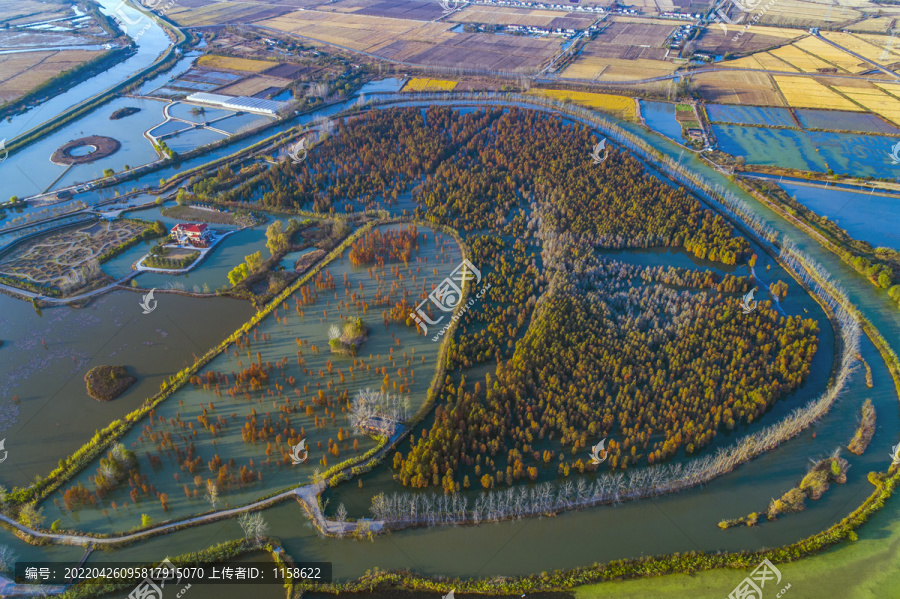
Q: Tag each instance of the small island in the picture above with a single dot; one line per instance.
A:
(105, 383)
(123, 112)
(348, 343)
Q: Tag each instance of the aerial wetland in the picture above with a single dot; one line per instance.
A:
(658, 271)
(497, 356)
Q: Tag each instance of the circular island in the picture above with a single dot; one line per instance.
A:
(85, 150)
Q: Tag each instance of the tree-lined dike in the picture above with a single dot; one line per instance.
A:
(797, 523)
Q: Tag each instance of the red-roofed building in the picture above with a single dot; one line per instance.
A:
(190, 233)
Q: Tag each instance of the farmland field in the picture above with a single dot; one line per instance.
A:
(621, 106)
(855, 44)
(873, 25)
(874, 100)
(807, 13)
(761, 61)
(616, 69)
(750, 115)
(422, 43)
(839, 58)
(254, 85)
(417, 10)
(808, 93)
(201, 14)
(418, 84)
(635, 34)
(738, 88)
(22, 72)
(228, 63)
(800, 59)
(713, 39)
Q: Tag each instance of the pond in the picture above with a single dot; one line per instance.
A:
(660, 116)
(750, 115)
(864, 216)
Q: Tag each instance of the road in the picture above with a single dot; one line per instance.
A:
(862, 58)
(15, 291)
(75, 539)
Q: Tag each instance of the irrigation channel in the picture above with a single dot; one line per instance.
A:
(668, 523)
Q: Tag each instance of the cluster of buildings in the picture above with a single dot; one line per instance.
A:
(686, 16)
(520, 4)
(681, 35)
(530, 30)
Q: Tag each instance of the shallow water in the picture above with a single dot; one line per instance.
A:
(864, 216)
(660, 116)
(285, 327)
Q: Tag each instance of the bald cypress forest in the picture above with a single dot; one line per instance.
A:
(579, 344)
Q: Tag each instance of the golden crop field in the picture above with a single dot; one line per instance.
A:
(875, 101)
(419, 84)
(616, 69)
(212, 61)
(762, 61)
(890, 49)
(890, 90)
(808, 13)
(802, 92)
(855, 44)
(874, 25)
(620, 106)
(838, 57)
(802, 60)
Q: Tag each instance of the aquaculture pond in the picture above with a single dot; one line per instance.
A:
(866, 216)
(239, 436)
(856, 155)
(841, 120)
(816, 151)
(787, 148)
(660, 116)
(750, 115)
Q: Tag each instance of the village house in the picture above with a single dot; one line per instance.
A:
(191, 234)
